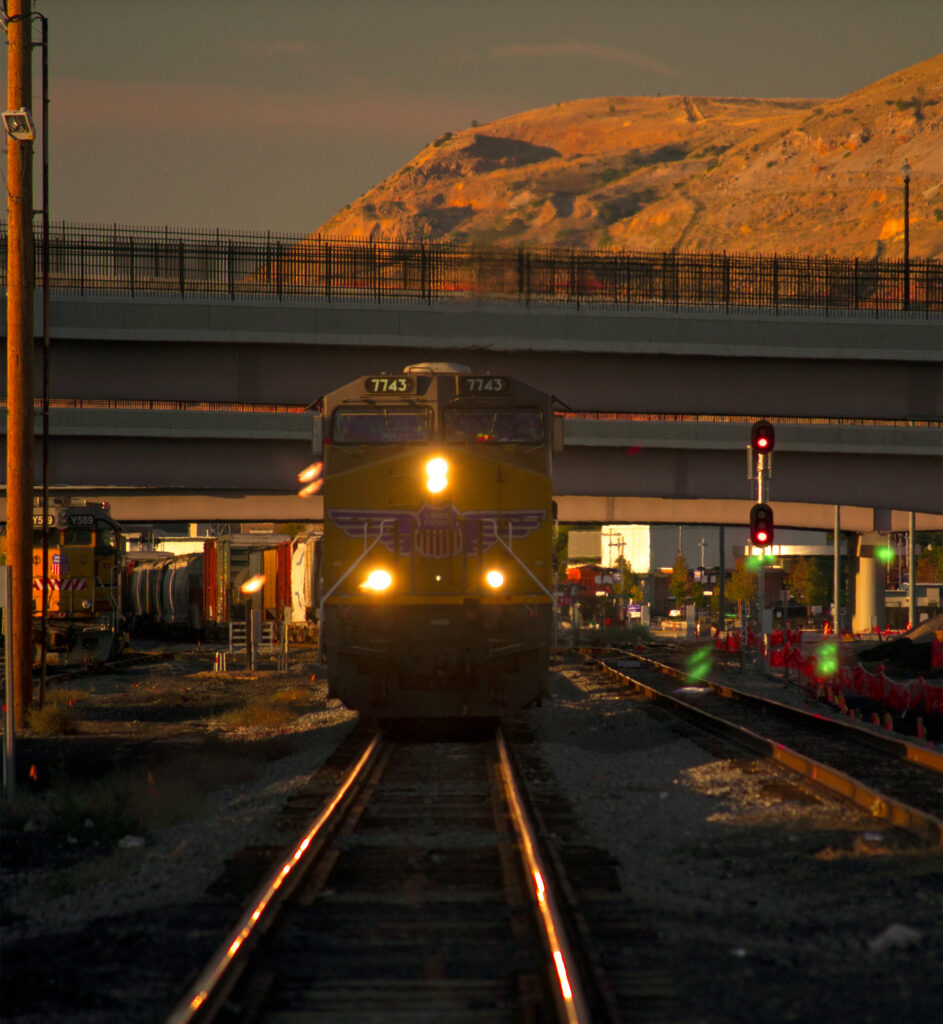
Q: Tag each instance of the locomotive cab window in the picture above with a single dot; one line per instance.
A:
(366, 425)
(105, 542)
(483, 425)
(78, 536)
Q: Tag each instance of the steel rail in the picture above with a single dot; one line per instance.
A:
(892, 745)
(263, 907)
(570, 997)
(877, 804)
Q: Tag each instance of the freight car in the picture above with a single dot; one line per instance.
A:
(165, 592)
(83, 580)
(436, 570)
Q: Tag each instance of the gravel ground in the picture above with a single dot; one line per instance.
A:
(766, 900)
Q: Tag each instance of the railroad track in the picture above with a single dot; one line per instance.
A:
(419, 892)
(892, 779)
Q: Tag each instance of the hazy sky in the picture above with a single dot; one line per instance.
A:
(273, 114)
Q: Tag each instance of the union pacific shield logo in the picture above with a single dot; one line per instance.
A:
(437, 532)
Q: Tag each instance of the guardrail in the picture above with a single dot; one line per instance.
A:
(142, 261)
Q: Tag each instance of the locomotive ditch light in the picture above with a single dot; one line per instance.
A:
(377, 581)
(437, 475)
(495, 579)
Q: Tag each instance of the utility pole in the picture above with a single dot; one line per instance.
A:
(911, 573)
(20, 361)
(836, 580)
(906, 173)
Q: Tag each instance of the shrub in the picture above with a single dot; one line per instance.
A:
(52, 719)
(272, 711)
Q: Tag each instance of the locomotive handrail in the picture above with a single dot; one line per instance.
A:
(507, 547)
(366, 551)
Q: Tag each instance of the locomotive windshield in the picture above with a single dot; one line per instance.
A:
(78, 536)
(493, 426)
(366, 425)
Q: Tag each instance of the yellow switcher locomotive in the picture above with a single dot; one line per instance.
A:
(436, 595)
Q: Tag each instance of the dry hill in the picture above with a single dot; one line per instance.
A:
(683, 172)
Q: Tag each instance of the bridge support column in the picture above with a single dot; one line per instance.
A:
(870, 612)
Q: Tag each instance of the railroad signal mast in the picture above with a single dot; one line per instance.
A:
(762, 442)
(760, 469)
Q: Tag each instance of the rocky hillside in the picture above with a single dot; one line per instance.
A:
(686, 172)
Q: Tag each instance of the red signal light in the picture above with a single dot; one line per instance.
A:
(762, 436)
(761, 525)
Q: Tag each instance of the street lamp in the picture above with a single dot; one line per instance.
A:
(906, 172)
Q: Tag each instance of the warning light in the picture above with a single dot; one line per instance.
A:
(761, 525)
(762, 436)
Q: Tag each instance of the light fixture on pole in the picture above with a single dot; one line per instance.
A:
(906, 172)
(19, 124)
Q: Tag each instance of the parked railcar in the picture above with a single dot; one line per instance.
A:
(83, 580)
(165, 592)
(436, 572)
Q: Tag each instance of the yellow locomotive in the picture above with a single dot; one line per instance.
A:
(84, 581)
(436, 575)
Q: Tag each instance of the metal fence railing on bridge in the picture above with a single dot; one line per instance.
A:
(142, 261)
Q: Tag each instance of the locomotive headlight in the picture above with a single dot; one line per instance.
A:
(377, 581)
(86, 604)
(495, 579)
(437, 475)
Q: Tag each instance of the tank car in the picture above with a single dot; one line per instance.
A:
(84, 578)
(165, 591)
(436, 575)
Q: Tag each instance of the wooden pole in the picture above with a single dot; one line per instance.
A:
(20, 361)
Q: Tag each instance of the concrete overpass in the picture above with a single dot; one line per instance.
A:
(227, 464)
(593, 360)
(158, 464)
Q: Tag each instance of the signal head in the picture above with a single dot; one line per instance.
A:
(761, 525)
(762, 436)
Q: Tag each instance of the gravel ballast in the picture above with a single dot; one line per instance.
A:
(765, 899)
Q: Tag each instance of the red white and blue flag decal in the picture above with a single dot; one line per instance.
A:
(437, 532)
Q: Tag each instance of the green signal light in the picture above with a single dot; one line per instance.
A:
(885, 554)
(827, 660)
(700, 663)
(756, 562)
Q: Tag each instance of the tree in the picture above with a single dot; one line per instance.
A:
(808, 582)
(560, 543)
(930, 565)
(630, 582)
(742, 585)
(680, 585)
